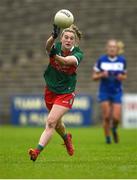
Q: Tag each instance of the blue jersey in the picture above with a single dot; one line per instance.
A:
(113, 66)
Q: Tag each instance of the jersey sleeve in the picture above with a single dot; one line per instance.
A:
(97, 67)
(125, 66)
(79, 56)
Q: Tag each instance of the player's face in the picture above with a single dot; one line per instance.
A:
(68, 40)
(112, 48)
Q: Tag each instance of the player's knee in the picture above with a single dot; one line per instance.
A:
(57, 126)
(106, 119)
(51, 122)
(116, 119)
(106, 115)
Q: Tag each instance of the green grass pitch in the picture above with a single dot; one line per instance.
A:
(92, 159)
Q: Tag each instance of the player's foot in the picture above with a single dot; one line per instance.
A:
(69, 145)
(108, 140)
(33, 153)
(115, 136)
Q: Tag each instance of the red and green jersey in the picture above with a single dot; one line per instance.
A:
(61, 79)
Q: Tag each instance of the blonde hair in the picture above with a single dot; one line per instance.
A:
(68, 30)
(120, 45)
(75, 30)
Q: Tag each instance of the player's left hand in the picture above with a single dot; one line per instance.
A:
(120, 77)
(56, 31)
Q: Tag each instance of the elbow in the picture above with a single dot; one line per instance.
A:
(46, 47)
(125, 77)
(94, 78)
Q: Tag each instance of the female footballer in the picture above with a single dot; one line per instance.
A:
(110, 70)
(60, 77)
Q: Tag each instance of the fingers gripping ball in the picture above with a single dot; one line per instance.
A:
(63, 18)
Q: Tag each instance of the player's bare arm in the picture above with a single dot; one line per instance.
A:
(68, 60)
(98, 75)
(122, 77)
(49, 43)
(51, 40)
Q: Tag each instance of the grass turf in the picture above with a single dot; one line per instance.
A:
(93, 158)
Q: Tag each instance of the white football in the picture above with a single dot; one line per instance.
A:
(63, 18)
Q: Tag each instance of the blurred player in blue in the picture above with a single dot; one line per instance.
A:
(110, 70)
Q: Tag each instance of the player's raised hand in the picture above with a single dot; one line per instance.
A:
(56, 31)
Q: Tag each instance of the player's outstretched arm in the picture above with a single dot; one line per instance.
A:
(49, 44)
(51, 40)
(68, 60)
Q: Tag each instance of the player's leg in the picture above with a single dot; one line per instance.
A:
(67, 137)
(60, 129)
(106, 112)
(65, 100)
(116, 114)
(54, 116)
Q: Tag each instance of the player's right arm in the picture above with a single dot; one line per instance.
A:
(51, 40)
(49, 44)
(98, 75)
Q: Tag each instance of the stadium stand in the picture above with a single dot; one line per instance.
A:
(26, 24)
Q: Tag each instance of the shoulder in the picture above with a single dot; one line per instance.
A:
(78, 53)
(100, 60)
(121, 58)
(77, 49)
(103, 57)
